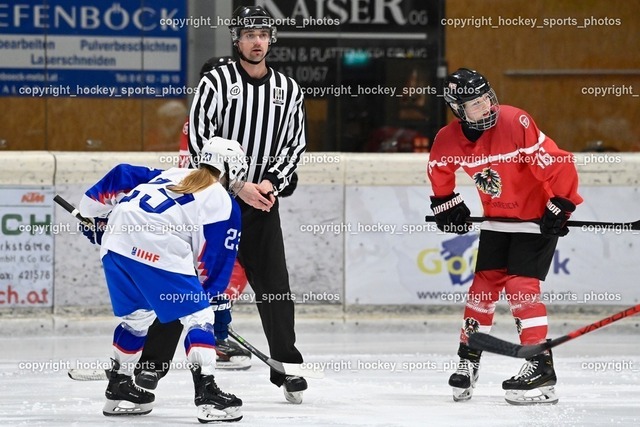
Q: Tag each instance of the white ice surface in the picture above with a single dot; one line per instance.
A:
(352, 394)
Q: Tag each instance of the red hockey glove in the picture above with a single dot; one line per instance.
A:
(451, 214)
(555, 217)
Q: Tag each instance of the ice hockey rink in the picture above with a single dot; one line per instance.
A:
(379, 372)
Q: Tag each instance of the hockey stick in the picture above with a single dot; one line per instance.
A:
(482, 341)
(284, 368)
(81, 374)
(72, 210)
(624, 226)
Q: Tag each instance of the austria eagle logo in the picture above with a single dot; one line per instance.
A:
(471, 326)
(489, 182)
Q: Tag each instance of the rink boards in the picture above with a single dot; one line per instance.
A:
(354, 232)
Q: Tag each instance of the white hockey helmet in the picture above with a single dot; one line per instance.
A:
(227, 156)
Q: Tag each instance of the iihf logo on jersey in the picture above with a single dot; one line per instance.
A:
(278, 96)
(489, 182)
(145, 255)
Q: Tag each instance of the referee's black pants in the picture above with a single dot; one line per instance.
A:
(261, 253)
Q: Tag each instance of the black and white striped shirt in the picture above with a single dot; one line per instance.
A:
(266, 116)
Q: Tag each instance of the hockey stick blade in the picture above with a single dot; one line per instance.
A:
(601, 225)
(295, 369)
(482, 341)
(486, 342)
(88, 374)
(102, 374)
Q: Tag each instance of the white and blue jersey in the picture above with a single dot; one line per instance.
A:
(189, 234)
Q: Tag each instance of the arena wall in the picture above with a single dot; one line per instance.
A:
(354, 232)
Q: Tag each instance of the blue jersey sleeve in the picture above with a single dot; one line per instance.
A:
(120, 180)
(219, 253)
(105, 194)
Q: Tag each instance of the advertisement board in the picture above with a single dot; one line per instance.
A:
(394, 257)
(92, 48)
(26, 246)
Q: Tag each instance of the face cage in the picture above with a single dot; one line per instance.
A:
(235, 32)
(236, 178)
(235, 186)
(485, 122)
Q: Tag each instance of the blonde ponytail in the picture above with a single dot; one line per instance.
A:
(197, 180)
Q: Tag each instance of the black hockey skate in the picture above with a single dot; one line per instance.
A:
(293, 388)
(536, 374)
(124, 397)
(464, 379)
(231, 356)
(148, 379)
(213, 404)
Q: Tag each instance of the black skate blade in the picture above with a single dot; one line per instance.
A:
(486, 342)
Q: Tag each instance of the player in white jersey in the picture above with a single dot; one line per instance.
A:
(163, 338)
(168, 247)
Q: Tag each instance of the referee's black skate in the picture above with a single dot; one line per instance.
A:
(464, 379)
(148, 379)
(124, 397)
(293, 388)
(213, 404)
(231, 356)
(533, 385)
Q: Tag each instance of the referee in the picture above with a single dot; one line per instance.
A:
(264, 111)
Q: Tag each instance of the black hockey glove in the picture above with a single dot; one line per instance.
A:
(291, 187)
(452, 215)
(555, 217)
(95, 232)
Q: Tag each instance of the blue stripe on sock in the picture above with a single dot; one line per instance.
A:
(126, 342)
(200, 338)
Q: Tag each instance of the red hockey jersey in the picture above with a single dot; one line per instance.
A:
(516, 168)
(184, 159)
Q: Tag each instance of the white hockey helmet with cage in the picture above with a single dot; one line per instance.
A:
(465, 86)
(228, 157)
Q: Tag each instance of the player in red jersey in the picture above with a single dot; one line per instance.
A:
(519, 173)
